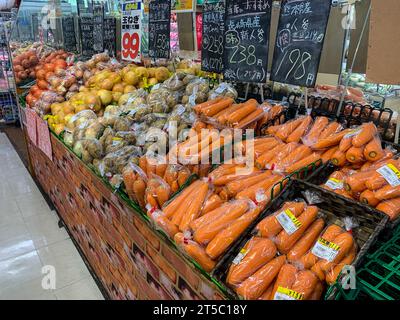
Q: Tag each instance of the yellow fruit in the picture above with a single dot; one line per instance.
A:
(141, 84)
(105, 96)
(162, 74)
(116, 96)
(115, 78)
(142, 72)
(58, 128)
(152, 72)
(67, 108)
(152, 81)
(131, 78)
(83, 89)
(129, 88)
(56, 107)
(107, 84)
(119, 87)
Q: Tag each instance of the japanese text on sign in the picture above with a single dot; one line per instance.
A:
(131, 30)
(247, 27)
(213, 37)
(159, 28)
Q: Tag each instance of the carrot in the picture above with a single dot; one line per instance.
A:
(270, 226)
(345, 242)
(265, 147)
(139, 189)
(286, 150)
(195, 251)
(234, 187)
(143, 163)
(285, 242)
(327, 155)
(356, 182)
(179, 200)
(373, 150)
(183, 176)
(212, 215)
(260, 254)
(339, 158)
(313, 135)
(330, 141)
(305, 284)
(319, 289)
(316, 268)
(306, 241)
(213, 202)
(267, 293)
(249, 119)
(390, 207)
(355, 155)
(232, 177)
(285, 279)
(222, 170)
(226, 237)
(387, 193)
(254, 286)
(248, 107)
(160, 169)
(346, 144)
(299, 153)
(164, 223)
(222, 116)
(194, 208)
(376, 180)
(205, 233)
(265, 158)
(206, 104)
(367, 133)
(162, 194)
(298, 133)
(263, 186)
(308, 260)
(217, 107)
(174, 186)
(286, 129)
(151, 200)
(330, 129)
(303, 162)
(333, 274)
(368, 197)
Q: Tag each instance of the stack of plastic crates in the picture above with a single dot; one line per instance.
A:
(379, 278)
(8, 107)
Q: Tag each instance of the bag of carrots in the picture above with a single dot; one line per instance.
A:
(293, 130)
(157, 192)
(135, 181)
(334, 248)
(294, 284)
(271, 113)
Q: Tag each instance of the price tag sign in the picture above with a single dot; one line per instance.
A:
(212, 47)
(131, 30)
(159, 29)
(247, 28)
(299, 41)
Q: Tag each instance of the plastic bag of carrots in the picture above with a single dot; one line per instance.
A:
(135, 181)
(214, 233)
(293, 130)
(272, 110)
(334, 249)
(157, 192)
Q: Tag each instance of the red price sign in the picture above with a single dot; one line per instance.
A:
(130, 45)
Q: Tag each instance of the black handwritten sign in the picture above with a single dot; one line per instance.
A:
(98, 30)
(109, 35)
(212, 49)
(247, 26)
(86, 26)
(159, 28)
(68, 29)
(299, 41)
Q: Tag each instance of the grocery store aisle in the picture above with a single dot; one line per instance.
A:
(33, 249)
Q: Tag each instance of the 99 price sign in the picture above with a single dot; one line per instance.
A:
(131, 30)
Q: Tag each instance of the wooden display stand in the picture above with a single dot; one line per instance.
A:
(131, 260)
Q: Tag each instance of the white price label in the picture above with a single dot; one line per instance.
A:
(239, 257)
(288, 221)
(325, 250)
(391, 174)
(334, 184)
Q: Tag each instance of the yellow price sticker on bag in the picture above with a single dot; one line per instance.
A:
(287, 294)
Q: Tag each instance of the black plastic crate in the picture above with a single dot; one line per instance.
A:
(371, 223)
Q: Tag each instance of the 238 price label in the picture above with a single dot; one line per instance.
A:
(130, 45)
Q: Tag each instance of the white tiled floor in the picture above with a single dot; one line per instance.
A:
(30, 239)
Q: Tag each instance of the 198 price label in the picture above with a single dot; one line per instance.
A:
(130, 45)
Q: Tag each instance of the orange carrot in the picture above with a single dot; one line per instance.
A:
(217, 107)
(249, 119)
(368, 197)
(327, 155)
(390, 207)
(319, 125)
(248, 107)
(213, 202)
(262, 187)
(356, 182)
(296, 134)
(387, 193)
(367, 133)
(373, 150)
(339, 158)
(355, 155)
(314, 157)
(330, 141)
(206, 104)
(235, 187)
(286, 129)
(143, 163)
(345, 144)
(330, 129)
(222, 116)
(299, 153)
(265, 158)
